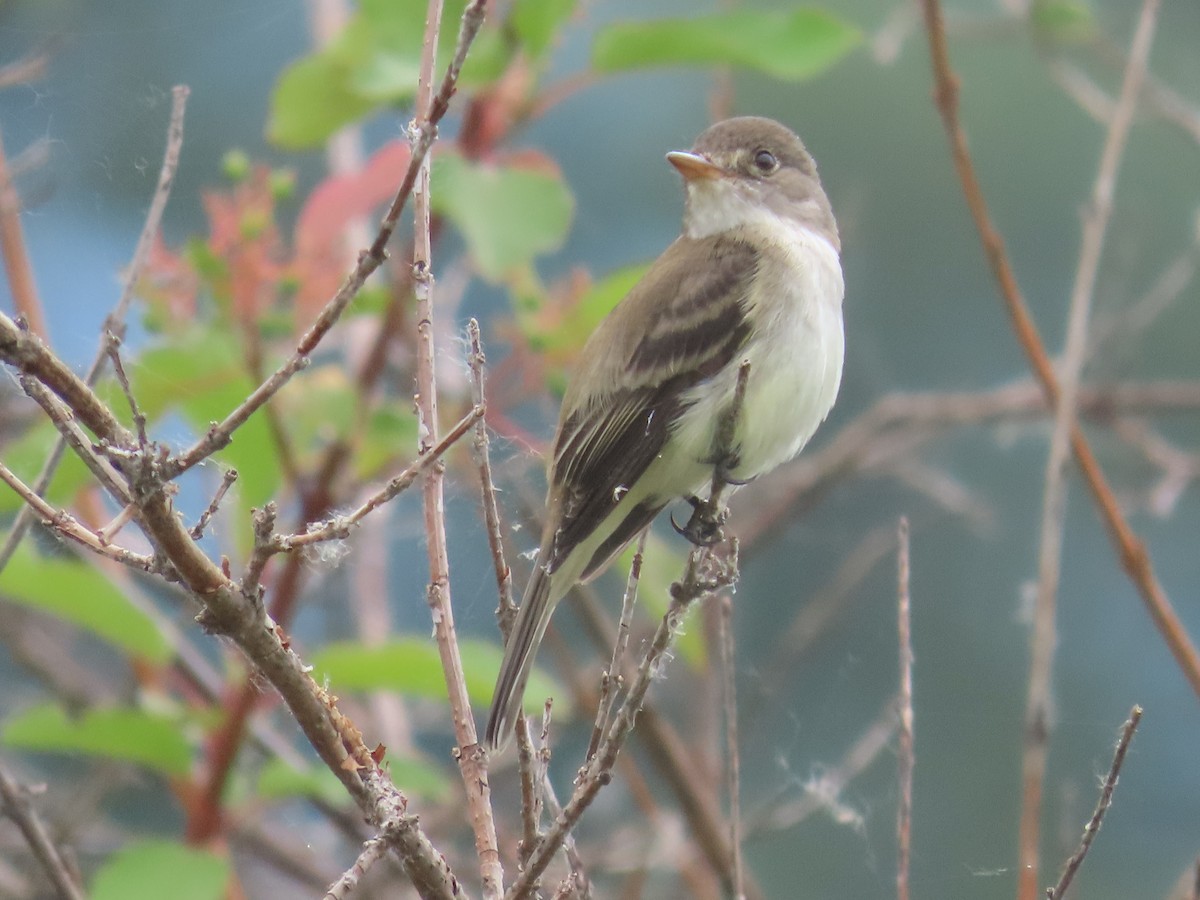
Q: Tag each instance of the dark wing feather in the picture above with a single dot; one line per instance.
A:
(689, 322)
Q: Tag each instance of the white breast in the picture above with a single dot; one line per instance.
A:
(795, 354)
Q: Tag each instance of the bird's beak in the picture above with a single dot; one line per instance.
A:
(694, 167)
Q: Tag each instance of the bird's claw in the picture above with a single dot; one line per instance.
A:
(706, 527)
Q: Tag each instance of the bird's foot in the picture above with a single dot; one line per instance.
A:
(706, 526)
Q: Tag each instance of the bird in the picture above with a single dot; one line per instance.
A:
(755, 279)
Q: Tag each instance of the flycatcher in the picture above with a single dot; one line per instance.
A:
(755, 277)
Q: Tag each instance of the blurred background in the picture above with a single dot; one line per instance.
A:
(922, 315)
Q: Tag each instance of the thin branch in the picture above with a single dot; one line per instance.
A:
(1044, 635)
(70, 432)
(229, 612)
(674, 759)
(904, 755)
(115, 322)
(583, 885)
(732, 756)
(16, 255)
(1130, 549)
(472, 758)
(15, 803)
(341, 527)
(113, 348)
(425, 133)
(899, 423)
(227, 480)
(704, 575)
(611, 680)
(507, 609)
(1106, 793)
(372, 851)
(68, 526)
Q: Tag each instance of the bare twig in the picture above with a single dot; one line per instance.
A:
(705, 574)
(69, 527)
(472, 758)
(583, 885)
(506, 609)
(229, 612)
(113, 348)
(732, 756)
(60, 414)
(227, 480)
(425, 133)
(904, 755)
(16, 256)
(1128, 546)
(115, 322)
(1044, 635)
(611, 680)
(674, 759)
(899, 423)
(1106, 792)
(15, 803)
(1137, 316)
(341, 527)
(372, 851)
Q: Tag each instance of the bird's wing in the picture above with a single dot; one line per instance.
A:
(686, 321)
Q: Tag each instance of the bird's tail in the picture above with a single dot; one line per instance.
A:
(523, 641)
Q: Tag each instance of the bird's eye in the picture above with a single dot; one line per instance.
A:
(765, 162)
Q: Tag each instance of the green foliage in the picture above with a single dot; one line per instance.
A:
(411, 666)
(83, 596)
(537, 22)
(373, 62)
(600, 299)
(27, 454)
(506, 214)
(130, 735)
(791, 46)
(201, 375)
(417, 778)
(151, 870)
(391, 433)
(1063, 21)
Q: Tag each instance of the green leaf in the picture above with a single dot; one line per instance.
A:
(319, 408)
(412, 666)
(279, 781)
(595, 305)
(789, 45)
(391, 434)
(150, 870)
(1063, 21)
(25, 457)
(506, 214)
(312, 100)
(81, 595)
(374, 62)
(202, 376)
(489, 58)
(536, 22)
(130, 735)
